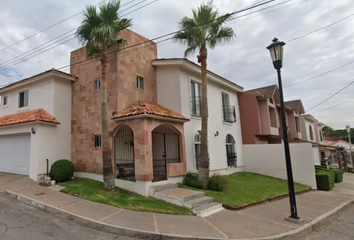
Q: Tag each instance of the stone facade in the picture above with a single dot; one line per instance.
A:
(122, 71)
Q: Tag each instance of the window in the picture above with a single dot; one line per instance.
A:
(321, 138)
(197, 147)
(229, 112)
(4, 100)
(97, 84)
(23, 99)
(196, 99)
(311, 132)
(140, 82)
(97, 141)
(231, 155)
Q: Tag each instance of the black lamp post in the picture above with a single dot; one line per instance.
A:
(276, 53)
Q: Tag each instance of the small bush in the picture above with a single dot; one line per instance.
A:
(217, 183)
(323, 180)
(62, 170)
(191, 179)
(338, 175)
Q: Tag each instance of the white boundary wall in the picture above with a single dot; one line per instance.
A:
(269, 159)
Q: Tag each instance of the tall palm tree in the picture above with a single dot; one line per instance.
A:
(204, 30)
(98, 32)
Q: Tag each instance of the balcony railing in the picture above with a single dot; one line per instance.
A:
(229, 114)
(196, 106)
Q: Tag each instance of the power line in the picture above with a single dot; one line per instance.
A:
(172, 33)
(13, 61)
(320, 75)
(319, 29)
(334, 105)
(51, 26)
(331, 96)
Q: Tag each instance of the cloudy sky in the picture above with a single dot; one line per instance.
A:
(244, 60)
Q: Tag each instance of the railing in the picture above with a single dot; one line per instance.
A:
(229, 114)
(232, 159)
(196, 106)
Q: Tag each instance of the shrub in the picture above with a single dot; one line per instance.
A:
(62, 170)
(217, 182)
(338, 175)
(191, 179)
(323, 180)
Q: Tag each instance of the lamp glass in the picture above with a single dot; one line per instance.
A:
(348, 129)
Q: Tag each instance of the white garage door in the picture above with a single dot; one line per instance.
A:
(15, 154)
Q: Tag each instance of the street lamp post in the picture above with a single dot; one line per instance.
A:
(276, 53)
(350, 144)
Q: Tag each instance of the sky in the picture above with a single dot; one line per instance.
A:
(310, 61)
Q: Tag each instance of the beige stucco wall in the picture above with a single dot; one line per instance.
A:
(270, 160)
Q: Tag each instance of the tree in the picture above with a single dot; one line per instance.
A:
(98, 32)
(204, 30)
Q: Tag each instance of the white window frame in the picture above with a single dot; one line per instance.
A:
(97, 141)
(196, 94)
(95, 82)
(7, 101)
(139, 82)
(19, 99)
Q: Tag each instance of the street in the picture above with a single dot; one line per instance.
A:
(20, 221)
(340, 229)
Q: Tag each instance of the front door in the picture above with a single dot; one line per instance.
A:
(159, 156)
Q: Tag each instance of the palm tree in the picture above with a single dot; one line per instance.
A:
(204, 30)
(98, 32)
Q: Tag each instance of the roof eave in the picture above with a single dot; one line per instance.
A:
(28, 123)
(145, 115)
(186, 64)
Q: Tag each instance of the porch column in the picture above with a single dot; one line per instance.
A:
(143, 150)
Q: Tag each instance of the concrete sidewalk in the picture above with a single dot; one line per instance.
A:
(264, 221)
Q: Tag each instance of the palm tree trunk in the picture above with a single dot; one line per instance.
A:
(108, 177)
(203, 171)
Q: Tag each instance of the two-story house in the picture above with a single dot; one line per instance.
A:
(179, 88)
(311, 129)
(35, 123)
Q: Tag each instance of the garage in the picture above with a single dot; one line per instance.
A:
(15, 153)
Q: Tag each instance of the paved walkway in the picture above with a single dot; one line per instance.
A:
(254, 222)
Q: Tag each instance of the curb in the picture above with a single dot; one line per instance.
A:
(294, 234)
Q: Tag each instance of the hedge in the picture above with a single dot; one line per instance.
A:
(324, 180)
(338, 173)
(217, 182)
(191, 179)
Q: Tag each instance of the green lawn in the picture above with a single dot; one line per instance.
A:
(246, 188)
(94, 191)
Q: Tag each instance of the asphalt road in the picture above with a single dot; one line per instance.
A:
(19, 221)
(339, 229)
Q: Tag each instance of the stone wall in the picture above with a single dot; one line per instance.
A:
(122, 69)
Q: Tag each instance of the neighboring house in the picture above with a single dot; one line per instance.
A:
(343, 144)
(179, 89)
(311, 129)
(260, 120)
(35, 123)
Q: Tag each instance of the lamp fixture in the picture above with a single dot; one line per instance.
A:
(216, 133)
(33, 131)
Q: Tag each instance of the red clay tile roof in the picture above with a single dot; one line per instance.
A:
(40, 115)
(25, 79)
(144, 107)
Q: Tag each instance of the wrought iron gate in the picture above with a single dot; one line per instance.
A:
(165, 149)
(124, 154)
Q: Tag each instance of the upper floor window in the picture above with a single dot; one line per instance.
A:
(4, 100)
(321, 138)
(97, 141)
(23, 99)
(311, 132)
(97, 84)
(196, 98)
(140, 82)
(229, 113)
